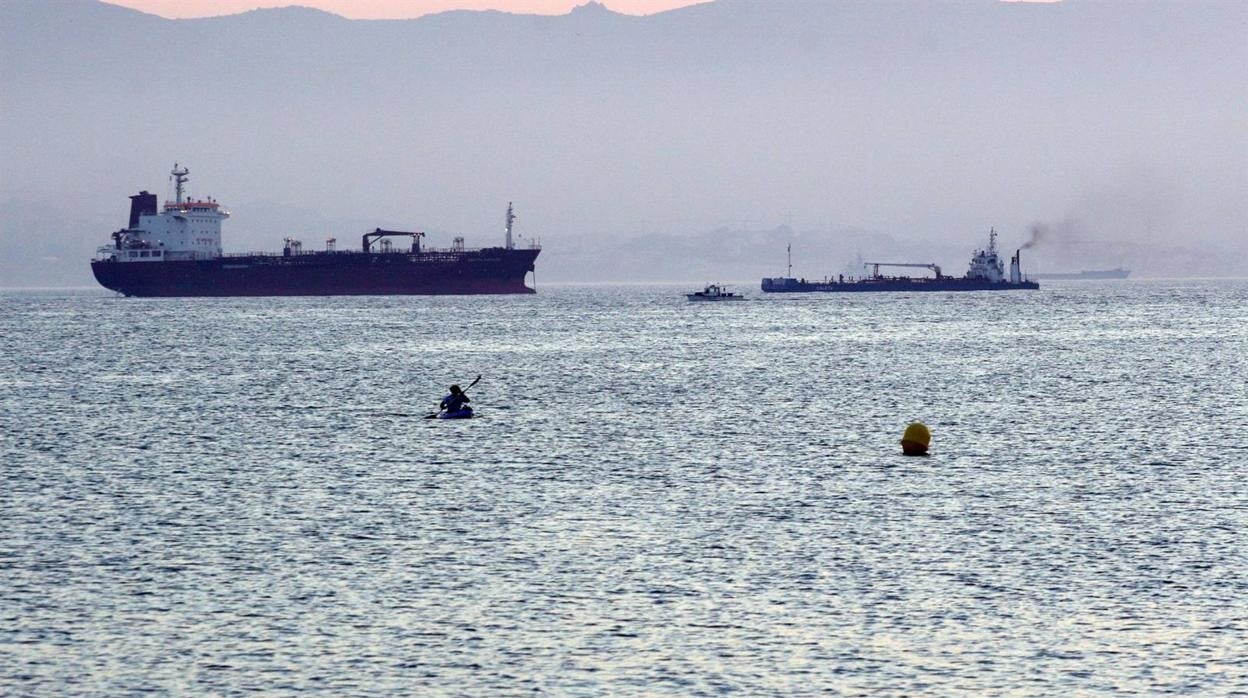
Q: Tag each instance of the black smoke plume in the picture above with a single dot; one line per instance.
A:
(1039, 232)
(1065, 232)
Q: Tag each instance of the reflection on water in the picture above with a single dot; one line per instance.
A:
(226, 495)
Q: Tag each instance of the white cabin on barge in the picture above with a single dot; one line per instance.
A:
(987, 265)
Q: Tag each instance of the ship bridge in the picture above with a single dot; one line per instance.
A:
(184, 228)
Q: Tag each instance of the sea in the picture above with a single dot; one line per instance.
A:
(657, 497)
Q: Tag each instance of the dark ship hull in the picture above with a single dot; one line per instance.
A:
(457, 272)
(893, 284)
(985, 273)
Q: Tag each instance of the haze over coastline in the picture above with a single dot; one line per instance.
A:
(689, 144)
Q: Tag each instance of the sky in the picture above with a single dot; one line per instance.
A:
(390, 9)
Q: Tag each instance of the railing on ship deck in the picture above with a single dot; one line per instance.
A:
(434, 251)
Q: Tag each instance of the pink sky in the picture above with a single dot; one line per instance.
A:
(390, 9)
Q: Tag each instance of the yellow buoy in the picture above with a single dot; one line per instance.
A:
(916, 439)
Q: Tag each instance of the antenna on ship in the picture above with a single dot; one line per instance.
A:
(511, 219)
(179, 178)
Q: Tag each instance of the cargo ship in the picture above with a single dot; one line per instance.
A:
(986, 273)
(175, 250)
(1088, 274)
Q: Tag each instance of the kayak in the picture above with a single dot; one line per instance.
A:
(463, 413)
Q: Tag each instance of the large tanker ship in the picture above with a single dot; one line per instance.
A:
(986, 273)
(176, 251)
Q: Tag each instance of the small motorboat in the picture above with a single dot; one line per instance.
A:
(714, 292)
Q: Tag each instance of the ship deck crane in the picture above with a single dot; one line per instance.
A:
(875, 267)
(379, 233)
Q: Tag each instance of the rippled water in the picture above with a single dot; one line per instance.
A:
(225, 495)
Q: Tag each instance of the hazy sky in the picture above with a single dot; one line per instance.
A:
(636, 149)
(391, 9)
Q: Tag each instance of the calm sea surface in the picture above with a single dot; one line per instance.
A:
(219, 496)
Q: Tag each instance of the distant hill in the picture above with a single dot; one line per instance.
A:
(919, 122)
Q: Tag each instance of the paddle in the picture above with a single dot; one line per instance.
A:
(463, 392)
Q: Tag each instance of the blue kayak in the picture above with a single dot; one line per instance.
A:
(462, 413)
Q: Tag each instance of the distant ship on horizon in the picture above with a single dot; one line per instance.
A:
(176, 251)
(1115, 273)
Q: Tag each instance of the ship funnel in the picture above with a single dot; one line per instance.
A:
(1016, 272)
(141, 203)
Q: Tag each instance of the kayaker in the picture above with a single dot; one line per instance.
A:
(455, 401)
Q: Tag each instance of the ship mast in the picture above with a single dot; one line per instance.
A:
(789, 248)
(992, 241)
(511, 219)
(179, 178)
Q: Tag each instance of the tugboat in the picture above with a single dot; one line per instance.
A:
(714, 292)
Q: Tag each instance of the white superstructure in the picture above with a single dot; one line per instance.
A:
(985, 264)
(182, 229)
